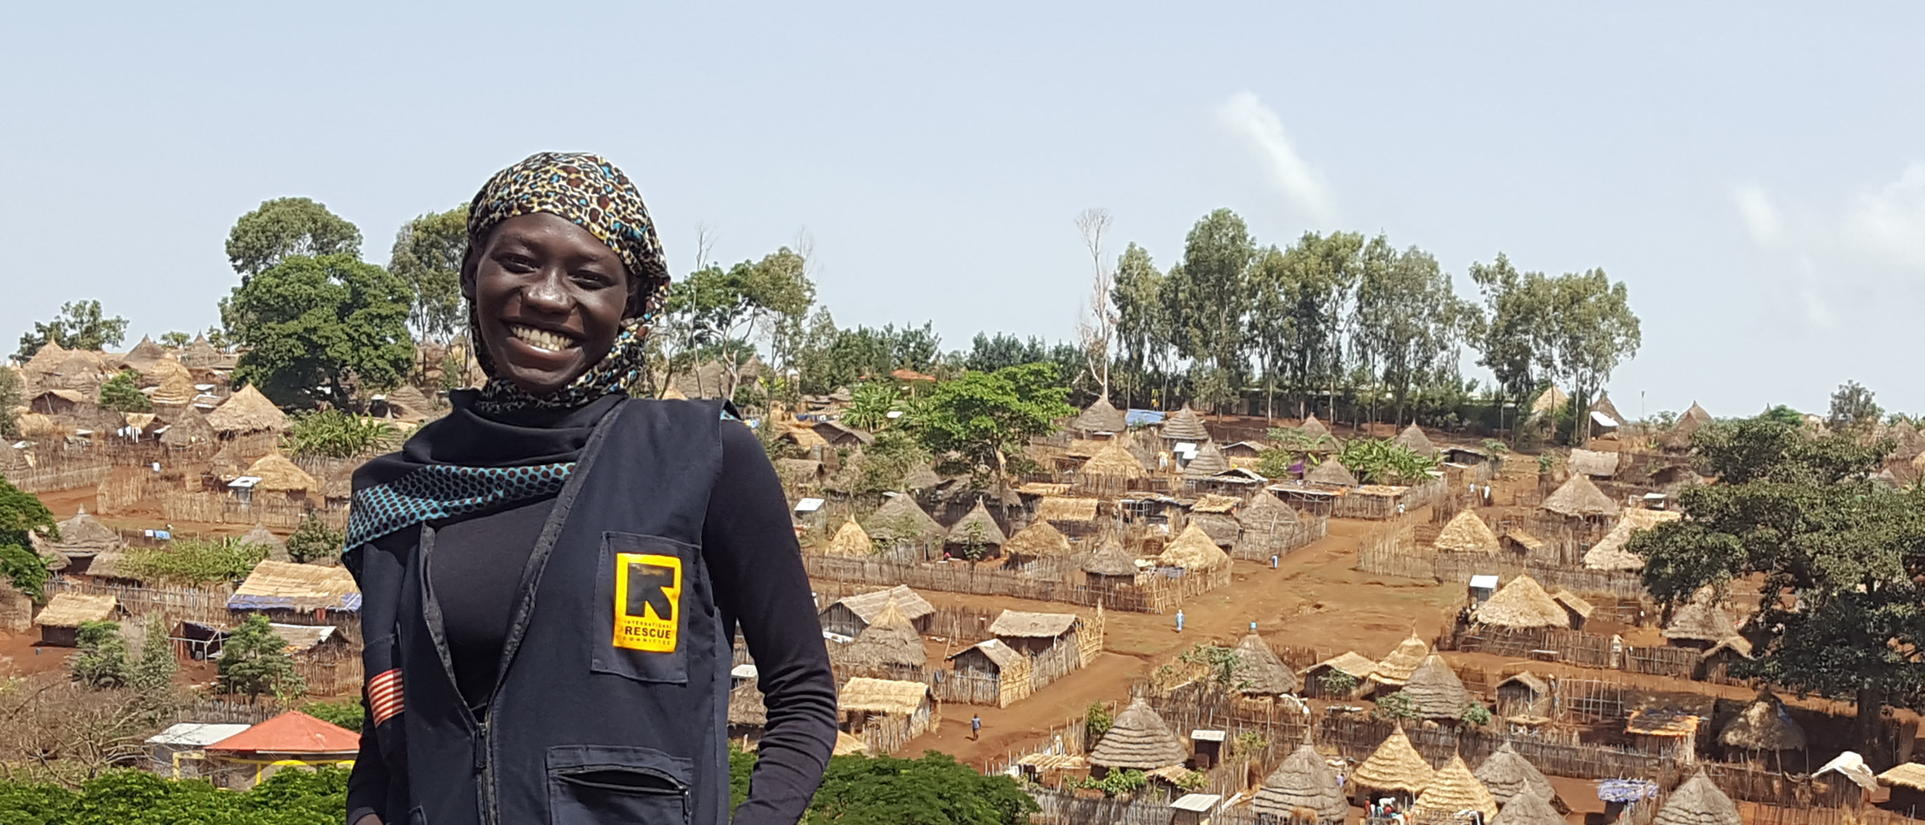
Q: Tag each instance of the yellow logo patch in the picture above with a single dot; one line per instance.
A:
(648, 592)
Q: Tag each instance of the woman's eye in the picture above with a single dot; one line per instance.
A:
(515, 263)
(594, 280)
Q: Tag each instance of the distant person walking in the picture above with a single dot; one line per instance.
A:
(1179, 620)
(975, 727)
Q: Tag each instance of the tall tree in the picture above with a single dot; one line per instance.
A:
(427, 255)
(1136, 295)
(1216, 270)
(989, 353)
(120, 394)
(1595, 331)
(980, 418)
(80, 325)
(10, 398)
(175, 339)
(324, 325)
(21, 514)
(1097, 329)
(1272, 320)
(1854, 409)
(730, 310)
(285, 227)
(254, 661)
(100, 660)
(1515, 333)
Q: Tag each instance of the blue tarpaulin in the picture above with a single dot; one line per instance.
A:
(1142, 418)
(1626, 790)
(350, 603)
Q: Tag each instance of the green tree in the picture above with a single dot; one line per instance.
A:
(1476, 714)
(1784, 415)
(1396, 706)
(1221, 663)
(152, 673)
(285, 228)
(10, 392)
(21, 514)
(1216, 268)
(1854, 408)
(1134, 293)
(332, 323)
(427, 255)
(313, 540)
(1378, 461)
(101, 660)
(1097, 720)
(989, 353)
(1337, 683)
(1595, 331)
(870, 404)
(982, 417)
(336, 434)
(175, 339)
(120, 394)
(196, 561)
(934, 789)
(255, 661)
(80, 325)
(1117, 783)
(729, 310)
(348, 713)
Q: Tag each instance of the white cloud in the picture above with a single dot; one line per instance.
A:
(1889, 223)
(1245, 116)
(1818, 312)
(1760, 215)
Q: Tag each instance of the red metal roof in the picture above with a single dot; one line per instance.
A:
(292, 732)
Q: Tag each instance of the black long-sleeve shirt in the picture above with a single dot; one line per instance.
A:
(760, 585)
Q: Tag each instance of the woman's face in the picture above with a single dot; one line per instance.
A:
(549, 300)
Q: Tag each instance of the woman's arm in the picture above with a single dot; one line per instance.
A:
(752, 555)
(368, 782)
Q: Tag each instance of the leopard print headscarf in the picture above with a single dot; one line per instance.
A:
(590, 192)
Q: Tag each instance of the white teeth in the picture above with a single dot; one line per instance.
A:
(541, 338)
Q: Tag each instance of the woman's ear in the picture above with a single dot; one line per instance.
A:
(468, 263)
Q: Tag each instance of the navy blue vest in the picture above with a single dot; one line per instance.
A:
(611, 702)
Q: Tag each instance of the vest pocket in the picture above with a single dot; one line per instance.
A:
(643, 587)
(592, 784)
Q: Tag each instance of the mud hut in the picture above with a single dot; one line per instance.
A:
(1193, 550)
(1039, 541)
(1259, 672)
(1110, 566)
(247, 412)
(1140, 740)
(279, 475)
(889, 648)
(1698, 802)
(1002, 673)
(77, 370)
(1413, 439)
(1524, 696)
(1718, 659)
(850, 542)
(1578, 498)
(1185, 425)
(1314, 429)
(1213, 514)
(1208, 462)
(81, 537)
(1509, 775)
(1528, 808)
(975, 532)
(849, 615)
(44, 361)
(1396, 668)
(1113, 466)
(143, 356)
(1099, 418)
(1467, 533)
(887, 708)
(1347, 668)
(1763, 731)
(1451, 790)
(1330, 473)
(1266, 525)
(1394, 767)
(1701, 622)
(263, 537)
(1609, 553)
(901, 520)
(1303, 782)
(61, 619)
(1435, 691)
(200, 354)
(1678, 439)
(188, 431)
(1522, 603)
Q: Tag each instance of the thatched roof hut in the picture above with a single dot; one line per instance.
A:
(1680, 434)
(1467, 533)
(1528, 808)
(1330, 472)
(1208, 462)
(1304, 781)
(1396, 668)
(174, 390)
(1603, 405)
(143, 356)
(201, 355)
(1139, 739)
(1185, 425)
(1259, 672)
(409, 404)
(1113, 461)
(1265, 512)
(867, 606)
(71, 610)
(882, 696)
(278, 474)
(1907, 775)
(1435, 691)
(977, 526)
(1100, 417)
(1313, 428)
(1763, 725)
(1508, 774)
(1413, 438)
(77, 370)
(279, 585)
(1193, 549)
(247, 411)
(44, 360)
(1702, 619)
(1576, 608)
(1698, 802)
(1394, 766)
(1579, 498)
(920, 477)
(260, 535)
(1350, 663)
(1609, 553)
(1066, 509)
(1110, 560)
(1038, 541)
(1594, 463)
(1454, 789)
(1024, 624)
(890, 641)
(85, 535)
(1522, 603)
(850, 541)
(902, 519)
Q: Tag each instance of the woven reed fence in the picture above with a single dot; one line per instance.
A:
(219, 509)
(1156, 594)
(1259, 545)
(172, 604)
(59, 475)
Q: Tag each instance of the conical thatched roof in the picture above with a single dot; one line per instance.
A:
(1396, 668)
(1455, 789)
(277, 474)
(144, 355)
(1265, 512)
(1688, 425)
(850, 541)
(409, 404)
(920, 477)
(1394, 766)
(1259, 672)
(200, 354)
(1603, 405)
(902, 519)
(1549, 400)
(1038, 540)
(1100, 417)
(1435, 691)
(176, 389)
(1185, 425)
(45, 359)
(1110, 560)
(1701, 619)
(1313, 428)
(1193, 550)
(1529, 808)
(84, 534)
(1763, 726)
(1466, 533)
(260, 535)
(1507, 773)
(77, 370)
(1139, 739)
(1522, 602)
(1414, 439)
(673, 394)
(166, 372)
(978, 526)
(1113, 461)
(1330, 472)
(1579, 497)
(889, 641)
(1698, 802)
(1208, 462)
(1609, 552)
(1304, 780)
(247, 411)
(187, 428)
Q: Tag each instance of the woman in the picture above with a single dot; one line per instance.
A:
(552, 574)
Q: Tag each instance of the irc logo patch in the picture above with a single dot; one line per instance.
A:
(648, 592)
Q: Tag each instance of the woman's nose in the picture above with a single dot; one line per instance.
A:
(546, 294)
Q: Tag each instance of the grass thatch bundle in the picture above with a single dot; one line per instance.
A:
(1330, 472)
(1698, 802)
(1100, 417)
(1066, 509)
(1451, 790)
(1467, 533)
(1396, 668)
(867, 606)
(1579, 498)
(166, 372)
(289, 586)
(1139, 739)
(1413, 439)
(1259, 672)
(1208, 462)
(1303, 782)
(1507, 774)
(247, 411)
(1764, 725)
(1702, 619)
(850, 541)
(1265, 513)
(278, 474)
(1038, 541)
(1024, 624)
(1527, 808)
(1609, 553)
(890, 641)
(884, 696)
(74, 610)
(1193, 550)
(977, 527)
(1522, 603)
(902, 519)
(1185, 425)
(1110, 560)
(1394, 766)
(1314, 429)
(1114, 461)
(1435, 692)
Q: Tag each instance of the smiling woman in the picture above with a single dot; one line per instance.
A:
(552, 552)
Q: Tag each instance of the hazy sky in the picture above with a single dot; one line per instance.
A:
(1754, 172)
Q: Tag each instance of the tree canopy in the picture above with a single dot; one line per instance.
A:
(120, 394)
(980, 418)
(21, 514)
(283, 228)
(80, 325)
(1854, 408)
(427, 255)
(254, 661)
(319, 327)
